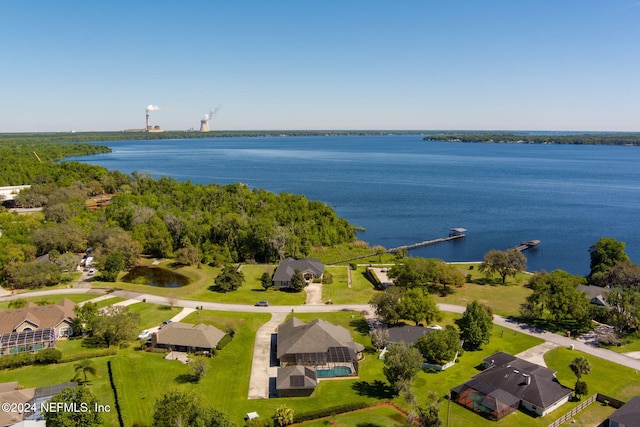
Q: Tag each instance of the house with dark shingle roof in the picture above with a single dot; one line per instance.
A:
(296, 381)
(33, 317)
(187, 337)
(509, 383)
(627, 416)
(310, 268)
(309, 351)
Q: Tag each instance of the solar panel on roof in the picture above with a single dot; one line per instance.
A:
(296, 380)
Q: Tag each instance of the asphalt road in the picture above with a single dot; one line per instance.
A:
(582, 346)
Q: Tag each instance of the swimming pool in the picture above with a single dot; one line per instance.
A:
(336, 371)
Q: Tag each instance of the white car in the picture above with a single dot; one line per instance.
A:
(144, 335)
(92, 272)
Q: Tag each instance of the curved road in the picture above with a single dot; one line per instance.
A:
(582, 346)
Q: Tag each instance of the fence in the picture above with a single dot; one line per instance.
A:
(566, 417)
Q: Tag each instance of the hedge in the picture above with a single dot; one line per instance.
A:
(224, 341)
(326, 412)
(111, 351)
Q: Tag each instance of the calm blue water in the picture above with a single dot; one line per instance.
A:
(404, 190)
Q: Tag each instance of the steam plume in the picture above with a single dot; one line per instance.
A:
(152, 108)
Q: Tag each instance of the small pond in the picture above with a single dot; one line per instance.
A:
(152, 276)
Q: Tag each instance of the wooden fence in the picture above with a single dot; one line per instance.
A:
(566, 417)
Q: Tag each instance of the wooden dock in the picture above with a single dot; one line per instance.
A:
(425, 243)
(528, 245)
(455, 233)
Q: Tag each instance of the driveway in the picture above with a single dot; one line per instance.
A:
(261, 371)
(536, 354)
(314, 294)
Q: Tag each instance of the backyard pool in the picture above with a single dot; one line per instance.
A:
(336, 371)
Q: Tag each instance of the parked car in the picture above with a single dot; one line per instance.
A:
(166, 322)
(144, 335)
(262, 304)
(92, 272)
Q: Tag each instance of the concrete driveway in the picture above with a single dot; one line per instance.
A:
(261, 369)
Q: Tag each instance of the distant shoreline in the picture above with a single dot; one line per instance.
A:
(511, 137)
(619, 139)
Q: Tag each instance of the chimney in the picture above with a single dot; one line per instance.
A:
(148, 122)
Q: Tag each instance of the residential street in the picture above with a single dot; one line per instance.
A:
(582, 346)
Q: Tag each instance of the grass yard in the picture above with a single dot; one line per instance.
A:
(504, 300)
(39, 376)
(605, 377)
(143, 377)
(339, 292)
(379, 416)
(202, 278)
(152, 314)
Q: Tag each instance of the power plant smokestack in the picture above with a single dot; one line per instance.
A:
(204, 123)
(148, 121)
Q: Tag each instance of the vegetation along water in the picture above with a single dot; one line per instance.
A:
(402, 189)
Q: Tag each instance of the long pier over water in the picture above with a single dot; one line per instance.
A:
(455, 233)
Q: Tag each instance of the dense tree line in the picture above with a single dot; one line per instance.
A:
(579, 139)
(211, 224)
(560, 304)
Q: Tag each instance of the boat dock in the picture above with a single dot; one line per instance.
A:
(455, 233)
(528, 245)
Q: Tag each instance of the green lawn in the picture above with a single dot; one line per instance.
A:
(605, 377)
(143, 377)
(380, 416)
(339, 292)
(39, 376)
(202, 278)
(152, 314)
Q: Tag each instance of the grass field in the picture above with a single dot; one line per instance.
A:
(143, 377)
(380, 416)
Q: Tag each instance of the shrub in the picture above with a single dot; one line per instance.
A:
(325, 412)
(16, 360)
(224, 341)
(327, 278)
(47, 356)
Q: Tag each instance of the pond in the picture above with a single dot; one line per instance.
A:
(152, 276)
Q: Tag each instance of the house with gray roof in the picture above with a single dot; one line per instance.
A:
(310, 268)
(324, 346)
(296, 381)
(627, 416)
(187, 337)
(509, 383)
(597, 295)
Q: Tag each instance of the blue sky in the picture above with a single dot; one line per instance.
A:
(467, 64)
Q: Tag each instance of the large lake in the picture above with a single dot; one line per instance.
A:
(404, 190)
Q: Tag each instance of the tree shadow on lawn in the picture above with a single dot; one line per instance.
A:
(493, 281)
(185, 379)
(360, 325)
(376, 389)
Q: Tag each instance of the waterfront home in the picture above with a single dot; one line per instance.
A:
(310, 268)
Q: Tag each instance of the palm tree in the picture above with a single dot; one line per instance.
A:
(379, 251)
(283, 416)
(580, 366)
(84, 367)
